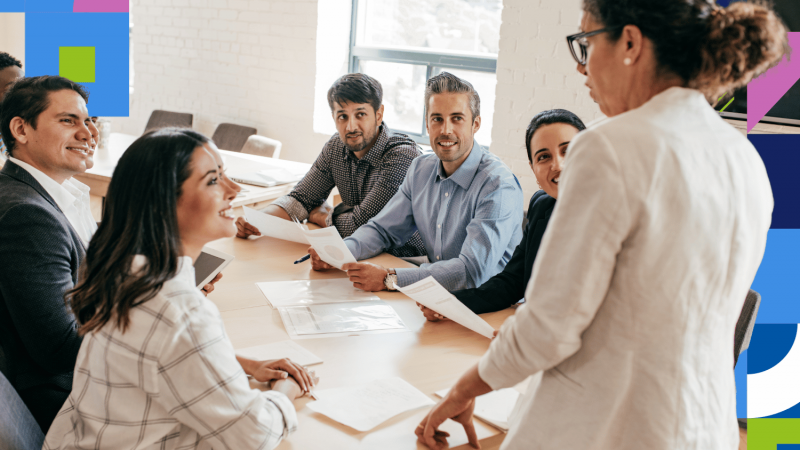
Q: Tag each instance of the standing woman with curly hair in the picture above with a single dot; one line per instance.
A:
(660, 226)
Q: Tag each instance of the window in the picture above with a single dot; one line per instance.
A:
(402, 43)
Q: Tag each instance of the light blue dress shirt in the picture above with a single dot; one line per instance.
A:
(470, 222)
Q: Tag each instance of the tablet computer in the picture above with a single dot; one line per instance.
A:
(209, 264)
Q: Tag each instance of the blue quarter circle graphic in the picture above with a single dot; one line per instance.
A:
(769, 345)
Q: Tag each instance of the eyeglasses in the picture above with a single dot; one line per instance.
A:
(577, 43)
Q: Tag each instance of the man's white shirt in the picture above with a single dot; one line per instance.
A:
(72, 197)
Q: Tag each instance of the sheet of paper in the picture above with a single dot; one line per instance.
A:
(330, 246)
(307, 292)
(274, 226)
(495, 407)
(283, 349)
(366, 406)
(430, 293)
(340, 317)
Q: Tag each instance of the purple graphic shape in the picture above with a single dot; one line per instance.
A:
(765, 91)
(105, 6)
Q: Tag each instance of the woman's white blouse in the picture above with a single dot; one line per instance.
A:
(660, 226)
(170, 381)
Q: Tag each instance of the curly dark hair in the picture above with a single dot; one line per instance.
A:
(712, 49)
(7, 60)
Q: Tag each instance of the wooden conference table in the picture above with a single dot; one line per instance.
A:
(105, 161)
(430, 356)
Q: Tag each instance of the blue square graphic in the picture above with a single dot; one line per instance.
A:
(777, 278)
(781, 159)
(45, 33)
(48, 5)
(740, 373)
(12, 6)
(788, 447)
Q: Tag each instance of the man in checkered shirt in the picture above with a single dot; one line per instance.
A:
(367, 165)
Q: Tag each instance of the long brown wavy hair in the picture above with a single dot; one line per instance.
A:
(140, 218)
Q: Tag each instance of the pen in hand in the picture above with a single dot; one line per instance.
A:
(303, 259)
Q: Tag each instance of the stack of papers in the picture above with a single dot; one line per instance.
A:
(279, 350)
(495, 407)
(366, 406)
(327, 242)
(331, 318)
(429, 293)
(307, 292)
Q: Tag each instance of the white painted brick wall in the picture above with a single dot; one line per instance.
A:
(250, 62)
(535, 72)
(253, 62)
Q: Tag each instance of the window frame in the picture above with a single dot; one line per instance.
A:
(433, 60)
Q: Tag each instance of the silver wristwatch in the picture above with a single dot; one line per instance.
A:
(391, 280)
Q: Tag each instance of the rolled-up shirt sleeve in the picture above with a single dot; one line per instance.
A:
(312, 190)
(573, 269)
(494, 224)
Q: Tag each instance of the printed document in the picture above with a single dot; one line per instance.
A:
(330, 246)
(340, 317)
(430, 293)
(307, 292)
(274, 226)
(366, 406)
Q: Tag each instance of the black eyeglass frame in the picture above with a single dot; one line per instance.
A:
(582, 36)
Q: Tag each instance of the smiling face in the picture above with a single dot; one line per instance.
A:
(204, 208)
(549, 148)
(357, 124)
(604, 68)
(451, 128)
(61, 144)
(7, 77)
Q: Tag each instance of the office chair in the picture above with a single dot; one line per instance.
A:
(229, 136)
(163, 119)
(262, 146)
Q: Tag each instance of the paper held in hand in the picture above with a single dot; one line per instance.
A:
(274, 226)
(330, 246)
(368, 405)
(428, 292)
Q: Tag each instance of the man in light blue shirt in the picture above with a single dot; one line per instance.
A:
(464, 201)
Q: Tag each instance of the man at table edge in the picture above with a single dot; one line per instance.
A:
(463, 200)
(365, 160)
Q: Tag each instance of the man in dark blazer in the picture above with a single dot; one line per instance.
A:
(48, 134)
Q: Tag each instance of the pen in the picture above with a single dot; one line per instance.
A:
(304, 258)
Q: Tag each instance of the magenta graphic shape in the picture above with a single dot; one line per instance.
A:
(106, 6)
(765, 91)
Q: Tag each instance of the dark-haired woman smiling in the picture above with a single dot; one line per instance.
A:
(156, 368)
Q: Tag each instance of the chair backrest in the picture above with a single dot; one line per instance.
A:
(229, 136)
(18, 428)
(745, 324)
(162, 119)
(262, 146)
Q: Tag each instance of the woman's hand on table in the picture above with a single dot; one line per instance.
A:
(289, 388)
(430, 314)
(278, 369)
(316, 262)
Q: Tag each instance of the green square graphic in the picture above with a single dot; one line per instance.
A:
(76, 64)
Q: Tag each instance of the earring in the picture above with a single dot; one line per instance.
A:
(627, 61)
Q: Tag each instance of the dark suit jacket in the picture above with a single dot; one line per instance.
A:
(508, 287)
(40, 254)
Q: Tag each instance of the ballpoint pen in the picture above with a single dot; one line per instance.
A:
(304, 258)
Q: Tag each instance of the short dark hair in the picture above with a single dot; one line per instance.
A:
(140, 218)
(28, 98)
(712, 49)
(356, 88)
(7, 60)
(447, 82)
(549, 117)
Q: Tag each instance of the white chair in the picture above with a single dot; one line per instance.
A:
(262, 146)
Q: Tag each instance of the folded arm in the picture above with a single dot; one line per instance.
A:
(312, 190)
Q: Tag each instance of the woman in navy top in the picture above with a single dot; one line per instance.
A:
(546, 140)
